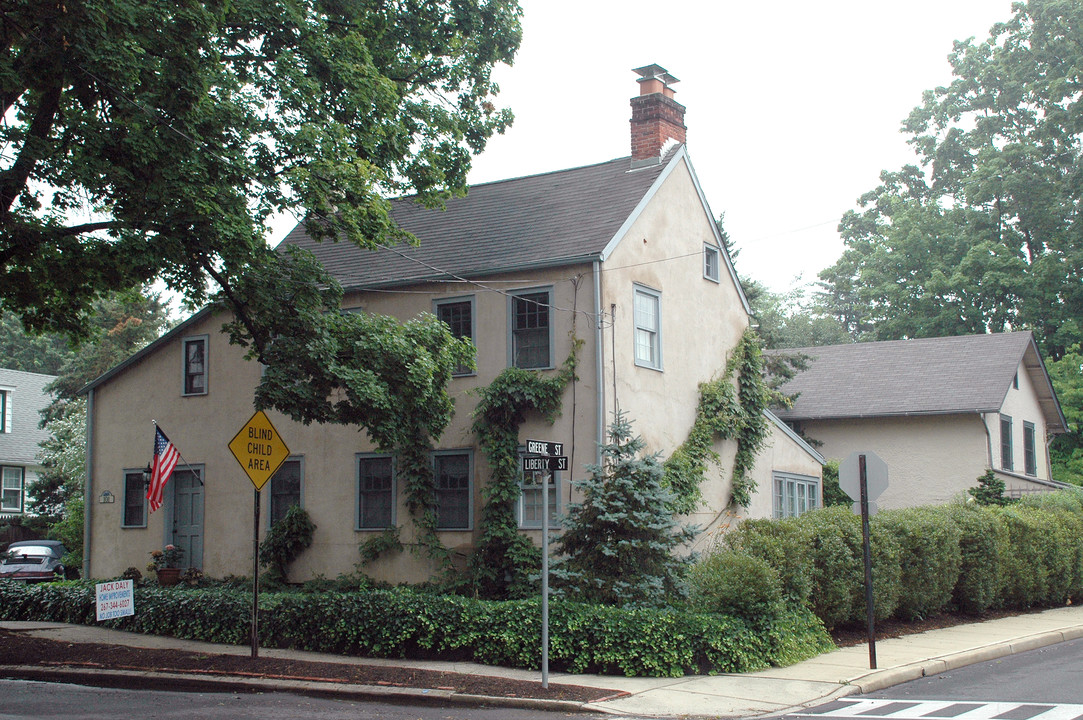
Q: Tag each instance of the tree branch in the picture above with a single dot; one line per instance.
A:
(14, 179)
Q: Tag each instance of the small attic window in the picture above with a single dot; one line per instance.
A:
(1015, 381)
(711, 261)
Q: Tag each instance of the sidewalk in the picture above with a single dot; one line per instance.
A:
(771, 691)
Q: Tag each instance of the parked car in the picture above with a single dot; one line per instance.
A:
(33, 561)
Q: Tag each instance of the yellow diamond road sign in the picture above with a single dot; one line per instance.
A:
(259, 449)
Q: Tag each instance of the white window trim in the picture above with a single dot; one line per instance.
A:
(22, 490)
(512, 295)
(794, 479)
(469, 486)
(657, 296)
(712, 250)
(206, 364)
(358, 457)
(124, 498)
(473, 322)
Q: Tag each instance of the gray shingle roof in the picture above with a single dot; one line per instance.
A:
(551, 219)
(28, 397)
(929, 376)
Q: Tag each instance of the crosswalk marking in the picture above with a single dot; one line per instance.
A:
(879, 709)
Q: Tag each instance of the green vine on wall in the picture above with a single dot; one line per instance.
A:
(505, 559)
(726, 411)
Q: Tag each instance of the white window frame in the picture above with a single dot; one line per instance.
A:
(793, 494)
(469, 455)
(712, 252)
(140, 490)
(513, 349)
(300, 460)
(19, 488)
(642, 328)
(461, 371)
(205, 339)
(359, 458)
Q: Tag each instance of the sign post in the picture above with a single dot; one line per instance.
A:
(260, 451)
(863, 476)
(554, 460)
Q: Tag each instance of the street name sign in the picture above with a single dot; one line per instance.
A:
(259, 449)
(544, 447)
(545, 464)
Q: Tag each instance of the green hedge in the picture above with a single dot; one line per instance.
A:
(961, 557)
(401, 623)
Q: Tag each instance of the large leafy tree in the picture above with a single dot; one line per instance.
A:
(154, 139)
(984, 233)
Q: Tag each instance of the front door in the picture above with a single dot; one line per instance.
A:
(188, 516)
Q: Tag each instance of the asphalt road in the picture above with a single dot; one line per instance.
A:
(27, 700)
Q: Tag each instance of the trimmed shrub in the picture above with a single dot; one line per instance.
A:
(1039, 565)
(984, 547)
(1067, 506)
(733, 583)
(785, 545)
(404, 623)
(838, 568)
(929, 558)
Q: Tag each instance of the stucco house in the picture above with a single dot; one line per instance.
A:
(938, 411)
(22, 398)
(623, 255)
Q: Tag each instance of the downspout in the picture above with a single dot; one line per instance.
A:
(88, 487)
(599, 362)
(988, 439)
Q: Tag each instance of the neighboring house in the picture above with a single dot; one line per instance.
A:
(938, 411)
(22, 398)
(624, 255)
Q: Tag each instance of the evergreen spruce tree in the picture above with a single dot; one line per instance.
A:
(619, 545)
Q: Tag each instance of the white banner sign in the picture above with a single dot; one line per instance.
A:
(115, 599)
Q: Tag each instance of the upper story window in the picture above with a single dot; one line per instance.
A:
(451, 476)
(711, 262)
(795, 494)
(648, 328)
(1006, 443)
(375, 492)
(1030, 457)
(135, 499)
(11, 489)
(458, 313)
(285, 488)
(531, 329)
(195, 365)
(5, 410)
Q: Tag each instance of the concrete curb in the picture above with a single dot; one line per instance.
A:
(142, 679)
(881, 679)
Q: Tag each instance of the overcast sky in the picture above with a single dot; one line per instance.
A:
(794, 107)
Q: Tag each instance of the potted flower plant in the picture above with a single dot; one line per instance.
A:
(166, 564)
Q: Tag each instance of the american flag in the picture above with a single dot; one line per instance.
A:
(165, 459)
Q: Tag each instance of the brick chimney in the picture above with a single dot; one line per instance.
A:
(656, 116)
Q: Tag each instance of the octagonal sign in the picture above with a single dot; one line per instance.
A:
(875, 475)
(259, 449)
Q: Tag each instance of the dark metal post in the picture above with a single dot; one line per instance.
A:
(255, 578)
(869, 614)
(545, 580)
